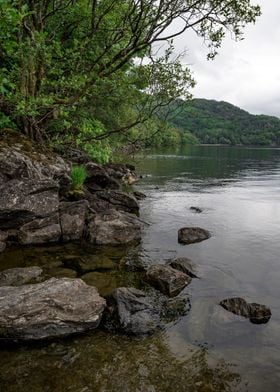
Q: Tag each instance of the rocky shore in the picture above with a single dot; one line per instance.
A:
(39, 206)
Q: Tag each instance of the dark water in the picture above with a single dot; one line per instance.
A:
(209, 349)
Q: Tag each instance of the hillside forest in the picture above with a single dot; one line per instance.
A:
(101, 75)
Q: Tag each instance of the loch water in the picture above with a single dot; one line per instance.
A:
(209, 349)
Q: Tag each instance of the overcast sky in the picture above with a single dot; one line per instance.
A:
(246, 73)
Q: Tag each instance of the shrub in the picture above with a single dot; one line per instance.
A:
(78, 176)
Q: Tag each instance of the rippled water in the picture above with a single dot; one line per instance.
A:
(238, 191)
(209, 349)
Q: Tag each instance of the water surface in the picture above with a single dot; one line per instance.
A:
(209, 349)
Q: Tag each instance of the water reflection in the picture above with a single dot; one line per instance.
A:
(107, 363)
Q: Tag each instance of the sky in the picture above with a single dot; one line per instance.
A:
(245, 73)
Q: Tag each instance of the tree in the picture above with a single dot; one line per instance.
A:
(56, 56)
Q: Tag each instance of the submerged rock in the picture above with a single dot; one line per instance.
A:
(89, 264)
(20, 276)
(174, 308)
(184, 265)
(167, 280)
(258, 314)
(114, 228)
(196, 209)
(129, 310)
(190, 235)
(53, 309)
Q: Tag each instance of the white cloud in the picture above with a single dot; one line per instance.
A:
(245, 73)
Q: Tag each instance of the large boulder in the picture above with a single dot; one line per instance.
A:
(167, 280)
(53, 309)
(40, 231)
(24, 200)
(73, 219)
(98, 179)
(114, 228)
(20, 276)
(258, 314)
(190, 235)
(26, 162)
(184, 265)
(119, 200)
(130, 311)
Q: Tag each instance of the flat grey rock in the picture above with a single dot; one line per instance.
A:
(53, 309)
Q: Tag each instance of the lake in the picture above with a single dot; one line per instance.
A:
(209, 349)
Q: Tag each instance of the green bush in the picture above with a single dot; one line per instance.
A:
(78, 176)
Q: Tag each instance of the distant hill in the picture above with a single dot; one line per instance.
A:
(213, 122)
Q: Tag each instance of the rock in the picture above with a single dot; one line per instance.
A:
(23, 200)
(2, 246)
(167, 280)
(196, 209)
(53, 309)
(184, 265)
(258, 314)
(175, 308)
(89, 264)
(20, 276)
(73, 219)
(131, 312)
(114, 228)
(98, 179)
(3, 236)
(41, 231)
(139, 195)
(190, 235)
(21, 163)
(119, 200)
(124, 172)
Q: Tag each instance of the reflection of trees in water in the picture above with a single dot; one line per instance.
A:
(214, 166)
(106, 363)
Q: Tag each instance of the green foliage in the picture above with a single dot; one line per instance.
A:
(78, 176)
(83, 72)
(213, 122)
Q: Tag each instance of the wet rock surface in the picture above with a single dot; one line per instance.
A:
(20, 276)
(52, 309)
(166, 279)
(258, 314)
(184, 265)
(190, 235)
(129, 310)
(114, 228)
